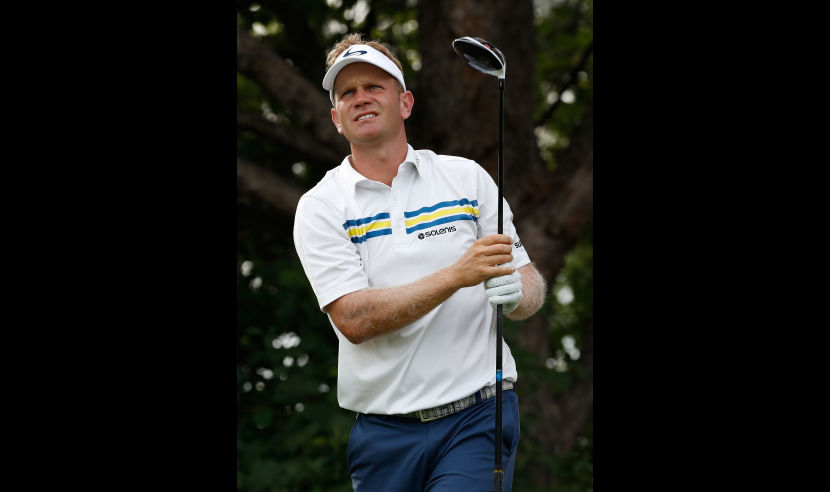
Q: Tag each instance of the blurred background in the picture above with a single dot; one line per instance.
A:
(291, 433)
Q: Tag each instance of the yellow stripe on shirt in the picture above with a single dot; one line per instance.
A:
(441, 213)
(359, 231)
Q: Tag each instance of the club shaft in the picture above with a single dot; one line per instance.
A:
(498, 475)
(501, 154)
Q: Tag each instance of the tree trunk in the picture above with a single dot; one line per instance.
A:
(456, 112)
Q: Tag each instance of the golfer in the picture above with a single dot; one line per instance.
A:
(400, 248)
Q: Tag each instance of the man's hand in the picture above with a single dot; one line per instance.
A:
(505, 290)
(487, 257)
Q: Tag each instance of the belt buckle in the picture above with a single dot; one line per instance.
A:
(426, 419)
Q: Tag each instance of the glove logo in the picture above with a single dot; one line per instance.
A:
(421, 235)
(517, 244)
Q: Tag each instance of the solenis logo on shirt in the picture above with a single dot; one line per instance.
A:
(436, 232)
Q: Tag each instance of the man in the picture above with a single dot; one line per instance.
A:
(400, 248)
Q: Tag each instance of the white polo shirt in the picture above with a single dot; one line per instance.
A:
(352, 233)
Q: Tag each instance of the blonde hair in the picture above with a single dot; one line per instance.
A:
(357, 38)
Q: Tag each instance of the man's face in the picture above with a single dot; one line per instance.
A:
(367, 105)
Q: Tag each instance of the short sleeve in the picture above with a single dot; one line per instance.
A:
(329, 258)
(488, 193)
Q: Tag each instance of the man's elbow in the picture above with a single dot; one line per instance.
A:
(352, 333)
(349, 327)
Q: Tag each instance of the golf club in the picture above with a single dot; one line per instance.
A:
(486, 58)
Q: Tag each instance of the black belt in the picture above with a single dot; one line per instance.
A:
(441, 411)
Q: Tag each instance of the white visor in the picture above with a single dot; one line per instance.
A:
(360, 53)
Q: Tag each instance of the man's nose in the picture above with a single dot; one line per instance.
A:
(361, 97)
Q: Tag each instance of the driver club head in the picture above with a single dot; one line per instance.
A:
(481, 55)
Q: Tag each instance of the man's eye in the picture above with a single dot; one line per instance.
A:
(347, 92)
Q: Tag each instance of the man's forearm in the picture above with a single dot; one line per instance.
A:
(534, 289)
(368, 313)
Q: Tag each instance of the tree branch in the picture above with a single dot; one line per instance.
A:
(568, 83)
(307, 102)
(301, 141)
(274, 190)
(302, 44)
(556, 211)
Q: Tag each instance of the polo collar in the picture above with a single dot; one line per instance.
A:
(352, 178)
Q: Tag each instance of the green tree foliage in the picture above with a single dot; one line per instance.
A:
(291, 433)
(563, 71)
(569, 311)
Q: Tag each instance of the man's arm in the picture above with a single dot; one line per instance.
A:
(534, 289)
(367, 313)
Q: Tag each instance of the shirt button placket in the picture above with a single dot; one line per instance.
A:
(398, 220)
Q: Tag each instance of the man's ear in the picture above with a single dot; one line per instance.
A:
(336, 121)
(407, 101)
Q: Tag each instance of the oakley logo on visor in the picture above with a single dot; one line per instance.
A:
(350, 53)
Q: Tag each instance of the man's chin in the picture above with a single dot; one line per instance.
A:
(364, 137)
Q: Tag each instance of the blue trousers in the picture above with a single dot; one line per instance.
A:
(454, 453)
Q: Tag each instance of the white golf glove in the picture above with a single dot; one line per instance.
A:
(505, 290)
